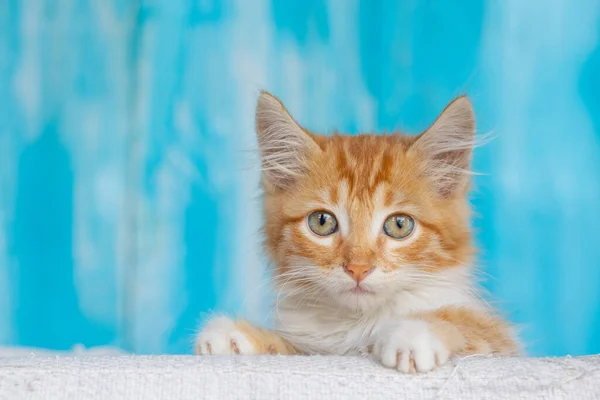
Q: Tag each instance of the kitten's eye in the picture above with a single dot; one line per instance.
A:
(322, 223)
(399, 226)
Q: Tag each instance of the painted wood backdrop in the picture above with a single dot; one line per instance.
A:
(128, 183)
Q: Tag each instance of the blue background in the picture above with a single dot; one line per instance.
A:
(128, 181)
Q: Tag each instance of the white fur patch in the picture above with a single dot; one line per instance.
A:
(342, 218)
(380, 213)
(409, 346)
(220, 336)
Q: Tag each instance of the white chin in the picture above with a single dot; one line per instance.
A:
(359, 301)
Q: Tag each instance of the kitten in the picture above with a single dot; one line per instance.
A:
(371, 241)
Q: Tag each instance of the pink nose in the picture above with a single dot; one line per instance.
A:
(358, 272)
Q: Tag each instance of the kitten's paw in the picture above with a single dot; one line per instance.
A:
(410, 346)
(221, 336)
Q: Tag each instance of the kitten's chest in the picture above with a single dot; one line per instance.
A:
(317, 331)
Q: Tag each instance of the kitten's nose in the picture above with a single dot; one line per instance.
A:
(358, 272)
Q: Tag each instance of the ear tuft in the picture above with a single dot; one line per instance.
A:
(447, 146)
(284, 146)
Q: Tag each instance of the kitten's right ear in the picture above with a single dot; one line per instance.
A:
(284, 146)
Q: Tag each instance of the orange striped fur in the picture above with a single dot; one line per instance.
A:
(416, 305)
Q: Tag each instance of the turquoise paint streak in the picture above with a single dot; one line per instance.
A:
(129, 185)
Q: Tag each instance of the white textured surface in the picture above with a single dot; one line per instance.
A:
(278, 377)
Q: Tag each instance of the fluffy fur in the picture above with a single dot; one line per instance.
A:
(419, 305)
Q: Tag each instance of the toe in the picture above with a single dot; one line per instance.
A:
(424, 361)
(441, 357)
(403, 362)
(388, 356)
(240, 343)
(217, 345)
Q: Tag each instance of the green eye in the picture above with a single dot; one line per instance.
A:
(399, 226)
(322, 223)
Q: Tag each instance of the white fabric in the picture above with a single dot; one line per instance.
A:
(292, 377)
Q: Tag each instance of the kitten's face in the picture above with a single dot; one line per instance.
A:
(356, 219)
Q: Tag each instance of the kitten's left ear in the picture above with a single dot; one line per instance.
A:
(447, 146)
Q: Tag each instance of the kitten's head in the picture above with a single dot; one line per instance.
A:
(357, 219)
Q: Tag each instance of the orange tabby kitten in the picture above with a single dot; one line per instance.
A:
(371, 241)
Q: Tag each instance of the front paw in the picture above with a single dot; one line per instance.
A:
(221, 336)
(410, 346)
